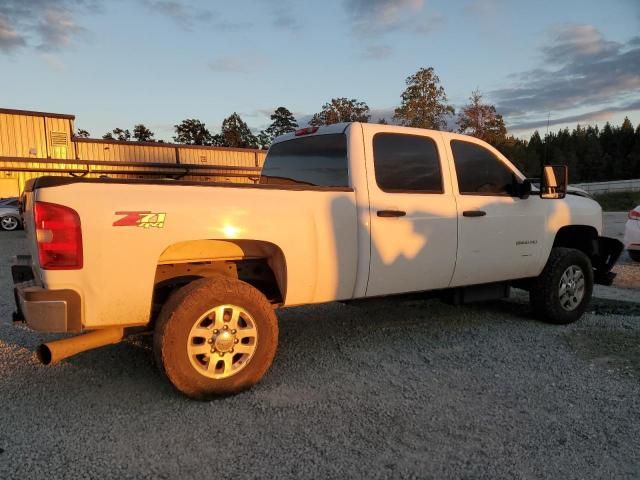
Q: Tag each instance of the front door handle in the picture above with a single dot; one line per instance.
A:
(391, 213)
(474, 213)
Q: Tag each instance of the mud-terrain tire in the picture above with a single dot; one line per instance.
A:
(193, 341)
(561, 293)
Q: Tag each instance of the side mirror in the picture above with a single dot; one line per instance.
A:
(553, 184)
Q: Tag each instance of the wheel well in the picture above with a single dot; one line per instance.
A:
(580, 237)
(260, 264)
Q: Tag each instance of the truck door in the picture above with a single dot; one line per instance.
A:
(499, 235)
(412, 211)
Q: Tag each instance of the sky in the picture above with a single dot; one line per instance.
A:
(118, 63)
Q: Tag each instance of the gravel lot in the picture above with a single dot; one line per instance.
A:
(384, 389)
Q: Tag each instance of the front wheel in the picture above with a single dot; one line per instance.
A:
(561, 293)
(215, 336)
(9, 223)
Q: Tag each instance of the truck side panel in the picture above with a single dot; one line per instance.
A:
(315, 230)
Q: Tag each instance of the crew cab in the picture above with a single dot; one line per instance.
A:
(341, 212)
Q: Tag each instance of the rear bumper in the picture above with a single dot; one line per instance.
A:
(607, 254)
(44, 310)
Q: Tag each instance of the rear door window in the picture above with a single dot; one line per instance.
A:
(316, 161)
(406, 163)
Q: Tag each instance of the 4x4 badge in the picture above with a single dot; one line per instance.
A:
(140, 219)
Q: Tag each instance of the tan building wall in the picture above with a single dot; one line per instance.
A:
(33, 144)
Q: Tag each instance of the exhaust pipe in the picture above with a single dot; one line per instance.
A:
(53, 352)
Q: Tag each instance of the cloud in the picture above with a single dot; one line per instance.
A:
(229, 64)
(37, 23)
(484, 8)
(282, 16)
(56, 30)
(573, 42)
(54, 62)
(186, 16)
(594, 116)
(10, 40)
(237, 64)
(581, 70)
(375, 17)
(377, 52)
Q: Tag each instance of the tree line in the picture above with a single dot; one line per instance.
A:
(592, 154)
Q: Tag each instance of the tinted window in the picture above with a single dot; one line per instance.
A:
(479, 171)
(406, 163)
(319, 160)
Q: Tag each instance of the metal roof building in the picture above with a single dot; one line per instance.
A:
(33, 144)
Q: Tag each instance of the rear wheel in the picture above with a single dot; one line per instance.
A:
(215, 336)
(9, 223)
(562, 291)
(635, 255)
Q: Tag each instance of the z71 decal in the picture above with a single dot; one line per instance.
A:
(140, 219)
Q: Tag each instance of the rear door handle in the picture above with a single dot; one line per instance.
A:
(391, 213)
(474, 213)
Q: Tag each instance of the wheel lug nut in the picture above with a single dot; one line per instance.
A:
(221, 354)
(236, 341)
(233, 331)
(226, 327)
(210, 340)
(215, 331)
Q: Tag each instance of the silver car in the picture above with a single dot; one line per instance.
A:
(9, 214)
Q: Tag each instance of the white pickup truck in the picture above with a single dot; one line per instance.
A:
(342, 212)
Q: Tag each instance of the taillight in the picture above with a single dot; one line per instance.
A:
(634, 214)
(306, 131)
(59, 236)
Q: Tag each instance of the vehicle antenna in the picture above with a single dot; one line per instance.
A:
(546, 140)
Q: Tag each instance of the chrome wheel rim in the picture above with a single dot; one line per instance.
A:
(222, 341)
(9, 223)
(571, 288)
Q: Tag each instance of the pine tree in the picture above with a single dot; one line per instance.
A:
(634, 156)
(283, 122)
(341, 110)
(142, 133)
(236, 133)
(624, 165)
(481, 120)
(192, 132)
(424, 102)
(118, 134)
(82, 133)
(535, 155)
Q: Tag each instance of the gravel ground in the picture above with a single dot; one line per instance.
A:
(383, 389)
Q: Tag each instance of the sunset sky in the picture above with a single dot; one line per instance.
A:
(122, 62)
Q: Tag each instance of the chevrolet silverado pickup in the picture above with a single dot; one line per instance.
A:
(341, 212)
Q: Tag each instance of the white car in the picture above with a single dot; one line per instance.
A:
(632, 234)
